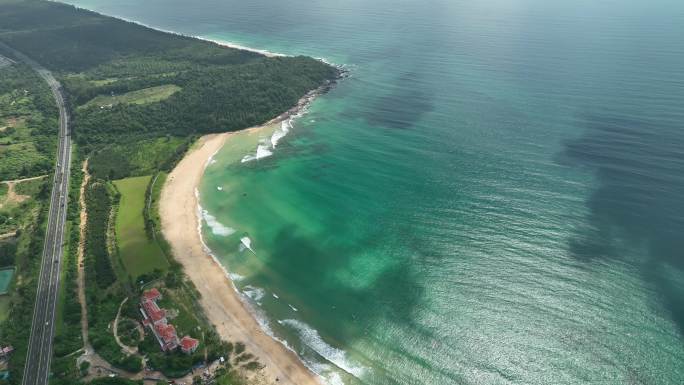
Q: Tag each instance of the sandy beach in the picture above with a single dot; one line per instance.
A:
(222, 305)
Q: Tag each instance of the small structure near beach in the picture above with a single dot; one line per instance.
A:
(154, 317)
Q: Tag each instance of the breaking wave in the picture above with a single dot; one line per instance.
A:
(235, 277)
(254, 293)
(217, 228)
(262, 151)
(313, 340)
(281, 132)
(265, 148)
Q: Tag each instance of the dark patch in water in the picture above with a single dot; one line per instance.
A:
(310, 270)
(403, 107)
(640, 197)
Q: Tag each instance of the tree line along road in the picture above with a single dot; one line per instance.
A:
(39, 356)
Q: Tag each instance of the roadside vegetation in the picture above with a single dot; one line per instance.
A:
(28, 136)
(138, 99)
(28, 124)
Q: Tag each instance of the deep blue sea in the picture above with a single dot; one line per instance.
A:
(495, 195)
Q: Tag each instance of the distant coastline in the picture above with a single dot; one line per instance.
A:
(223, 43)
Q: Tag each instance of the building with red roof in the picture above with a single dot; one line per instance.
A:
(151, 295)
(152, 313)
(188, 344)
(166, 336)
(155, 318)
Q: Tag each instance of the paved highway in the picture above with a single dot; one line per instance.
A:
(37, 369)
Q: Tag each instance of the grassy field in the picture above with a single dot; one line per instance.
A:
(27, 124)
(16, 212)
(4, 307)
(139, 254)
(144, 96)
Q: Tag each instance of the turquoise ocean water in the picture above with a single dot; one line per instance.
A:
(495, 195)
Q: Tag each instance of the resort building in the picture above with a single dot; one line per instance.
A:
(166, 336)
(188, 345)
(154, 317)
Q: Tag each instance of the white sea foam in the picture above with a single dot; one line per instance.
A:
(198, 213)
(265, 148)
(325, 372)
(217, 228)
(263, 151)
(257, 313)
(235, 277)
(219, 188)
(211, 159)
(247, 243)
(255, 293)
(332, 378)
(313, 340)
(275, 295)
(281, 132)
(292, 307)
(229, 44)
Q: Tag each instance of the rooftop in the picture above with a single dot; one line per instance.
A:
(166, 332)
(188, 343)
(151, 295)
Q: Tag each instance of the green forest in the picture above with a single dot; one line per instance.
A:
(98, 57)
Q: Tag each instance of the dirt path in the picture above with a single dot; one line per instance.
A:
(12, 196)
(11, 234)
(115, 329)
(98, 366)
(15, 181)
(81, 257)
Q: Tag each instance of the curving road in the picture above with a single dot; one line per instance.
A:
(37, 369)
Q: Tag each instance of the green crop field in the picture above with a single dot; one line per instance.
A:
(144, 96)
(139, 254)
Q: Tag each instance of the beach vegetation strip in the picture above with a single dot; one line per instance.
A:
(139, 254)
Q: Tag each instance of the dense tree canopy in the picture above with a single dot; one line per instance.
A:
(221, 89)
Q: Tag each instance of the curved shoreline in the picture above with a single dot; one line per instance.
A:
(219, 299)
(181, 225)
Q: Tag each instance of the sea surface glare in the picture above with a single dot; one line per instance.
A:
(495, 195)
